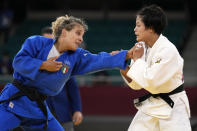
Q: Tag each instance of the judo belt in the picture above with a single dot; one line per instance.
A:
(32, 94)
(164, 96)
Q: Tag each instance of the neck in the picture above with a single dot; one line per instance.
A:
(57, 46)
(152, 40)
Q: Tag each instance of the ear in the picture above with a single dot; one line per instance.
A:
(64, 32)
(151, 30)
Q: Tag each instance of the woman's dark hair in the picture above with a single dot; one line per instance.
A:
(154, 18)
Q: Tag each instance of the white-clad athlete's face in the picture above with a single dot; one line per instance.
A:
(73, 38)
(140, 31)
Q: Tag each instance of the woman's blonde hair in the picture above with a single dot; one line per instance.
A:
(68, 23)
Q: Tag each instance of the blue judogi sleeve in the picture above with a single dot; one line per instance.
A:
(25, 61)
(88, 62)
(66, 102)
(73, 95)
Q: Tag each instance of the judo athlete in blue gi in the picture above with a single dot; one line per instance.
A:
(41, 69)
(66, 106)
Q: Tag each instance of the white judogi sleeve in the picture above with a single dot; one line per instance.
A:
(133, 84)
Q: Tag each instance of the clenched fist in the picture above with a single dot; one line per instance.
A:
(138, 51)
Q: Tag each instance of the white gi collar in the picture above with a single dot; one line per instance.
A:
(53, 52)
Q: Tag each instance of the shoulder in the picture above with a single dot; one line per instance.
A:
(33, 39)
(38, 38)
(167, 48)
(38, 41)
(167, 44)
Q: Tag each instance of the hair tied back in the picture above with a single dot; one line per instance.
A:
(67, 17)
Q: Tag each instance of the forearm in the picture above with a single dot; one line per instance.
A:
(27, 66)
(124, 73)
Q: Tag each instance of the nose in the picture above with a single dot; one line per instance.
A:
(134, 29)
(81, 39)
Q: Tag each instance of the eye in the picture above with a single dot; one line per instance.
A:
(78, 32)
(138, 25)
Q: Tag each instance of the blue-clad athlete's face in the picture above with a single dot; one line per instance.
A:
(70, 40)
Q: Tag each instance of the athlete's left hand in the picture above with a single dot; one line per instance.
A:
(77, 118)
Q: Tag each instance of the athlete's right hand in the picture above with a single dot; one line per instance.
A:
(138, 51)
(51, 64)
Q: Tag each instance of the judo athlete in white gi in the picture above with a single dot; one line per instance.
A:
(158, 68)
(36, 77)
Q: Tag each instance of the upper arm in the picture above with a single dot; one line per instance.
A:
(26, 62)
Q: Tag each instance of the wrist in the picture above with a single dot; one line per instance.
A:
(42, 67)
(127, 56)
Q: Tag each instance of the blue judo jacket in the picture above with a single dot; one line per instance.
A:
(26, 66)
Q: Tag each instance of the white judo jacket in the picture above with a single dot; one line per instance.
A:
(159, 70)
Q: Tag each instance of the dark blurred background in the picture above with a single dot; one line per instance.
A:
(106, 100)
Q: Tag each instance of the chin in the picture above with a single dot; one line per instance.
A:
(138, 39)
